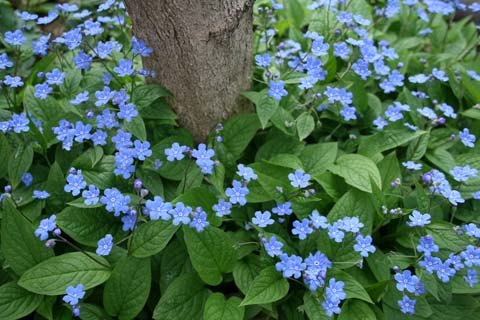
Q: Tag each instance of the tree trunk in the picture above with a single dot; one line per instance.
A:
(202, 53)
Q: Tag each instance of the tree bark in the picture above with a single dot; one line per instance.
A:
(202, 54)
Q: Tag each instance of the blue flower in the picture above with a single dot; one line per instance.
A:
(264, 60)
(75, 183)
(318, 221)
(15, 38)
(290, 266)
(127, 112)
(203, 158)
(319, 48)
(27, 179)
(427, 245)
(350, 224)
(27, 16)
(115, 201)
(40, 194)
(302, 229)
(129, 221)
(140, 47)
(99, 138)
(335, 291)
(74, 294)
(92, 28)
(283, 209)
(80, 98)
(13, 82)
(82, 131)
(180, 214)
(419, 78)
(462, 174)
(175, 152)
(472, 277)
(341, 50)
(364, 245)
(237, 193)
(125, 68)
(348, 113)
(222, 208)
(92, 195)
(105, 245)
(444, 272)
(430, 263)
(439, 74)
(410, 165)
(158, 209)
(272, 246)
(428, 113)
(406, 281)
(331, 307)
(141, 150)
(4, 62)
(339, 94)
(107, 120)
(103, 97)
(380, 123)
(467, 138)
(407, 305)
(277, 90)
(72, 39)
(262, 219)
(246, 173)
(447, 110)
(418, 219)
(335, 233)
(299, 179)
(199, 220)
(55, 77)
(19, 123)
(471, 256)
(82, 60)
(42, 90)
(52, 15)
(46, 226)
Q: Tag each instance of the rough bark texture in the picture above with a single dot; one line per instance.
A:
(202, 53)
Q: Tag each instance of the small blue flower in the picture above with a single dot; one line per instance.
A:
(237, 193)
(272, 246)
(335, 233)
(407, 305)
(55, 77)
(105, 245)
(246, 173)
(27, 179)
(158, 209)
(19, 123)
(290, 266)
(180, 214)
(141, 150)
(283, 209)
(262, 219)
(319, 48)
(76, 183)
(127, 112)
(199, 220)
(203, 158)
(410, 165)
(264, 60)
(15, 38)
(222, 208)
(427, 245)
(467, 138)
(462, 174)
(335, 291)
(418, 219)
(115, 201)
(472, 277)
(103, 97)
(125, 68)
(92, 195)
(46, 226)
(364, 245)
(439, 75)
(82, 60)
(302, 229)
(74, 294)
(4, 62)
(348, 113)
(140, 47)
(80, 98)
(13, 82)
(318, 221)
(42, 91)
(444, 272)
(37, 194)
(299, 179)
(277, 90)
(406, 281)
(176, 152)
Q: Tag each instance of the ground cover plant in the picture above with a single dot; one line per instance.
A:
(351, 193)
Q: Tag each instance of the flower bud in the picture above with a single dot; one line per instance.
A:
(144, 193)
(50, 243)
(8, 188)
(137, 184)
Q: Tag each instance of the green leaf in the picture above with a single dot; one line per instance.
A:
(352, 288)
(356, 309)
(472, 113)
(219, 308)
(93, 312)
(101, 175)
(175, 261)
(19, 163)
(211, 252)
(151, 237)
(295, 12)
(184, 299)
(238, 132)
(88, 159)
(245, 272)
(358, 171)
(5, 152)
(385, 140)
(89, 225)
(21, 249)
(442, 159)
(354, 203)
(305, 125)
(53, 276)
(127, 290)
(145, 95)
(313, 307)
(266, 108)
(317, 157)
(151, 180)
(391, 298)
(55, 184)
(137, 128)
(16, 302)
(268, 286)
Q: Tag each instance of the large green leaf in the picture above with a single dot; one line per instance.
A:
(87, 225)
(238, 132)
(268, 286)
(355, 309)
(245, 272)
(5, 152)
(53, 276)
(184, 299)
(127, 290)
(385, 140)
(145, 95)
(21, 249)
(151, 237)
(305, 125)
(16, 302)
(19, 163)
(266, 108)
(219, 308)
(211, 252)
(317, 157)
(358, 171)
(352, 288)
(354, 203)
